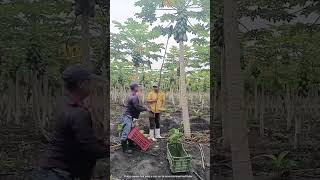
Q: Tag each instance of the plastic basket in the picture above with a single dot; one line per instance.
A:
(178, 158)
(136, 136)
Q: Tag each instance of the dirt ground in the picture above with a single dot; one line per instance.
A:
(20, 147)
(276, 140)
(153, 162)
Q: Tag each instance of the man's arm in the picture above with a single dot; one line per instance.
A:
(149, 99)
(136, 104)
(84, 134)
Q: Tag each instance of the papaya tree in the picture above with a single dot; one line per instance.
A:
(175, 17)
(135, 41)
(241, 163)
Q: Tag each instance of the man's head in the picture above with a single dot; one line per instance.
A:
(78, 80)
(134, 87)
(155, 87)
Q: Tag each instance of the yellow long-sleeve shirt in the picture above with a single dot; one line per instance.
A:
(156, 107)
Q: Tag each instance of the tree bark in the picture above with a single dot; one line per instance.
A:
(172, 96)
(62, 87)
(45, 98)
(142, 93)
(202, 103)
(183, 92)
(256, 101)
(215, 101)
(297, 131)
(241, 163)
(217, 90)
(9, 100)
(17, 113)
(224, 94)
(38, 100)
(50, 104)
(85, 42)
(288, 108)
(261, 118)
(106, 93)
(35, 101)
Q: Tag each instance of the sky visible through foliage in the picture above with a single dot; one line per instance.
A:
(121, 10)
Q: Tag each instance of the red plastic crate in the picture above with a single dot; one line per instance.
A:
(136, 136)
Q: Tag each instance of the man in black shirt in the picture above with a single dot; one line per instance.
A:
(132, 111)
(74, 149)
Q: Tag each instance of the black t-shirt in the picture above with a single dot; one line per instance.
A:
(133, 107)
(74, 147)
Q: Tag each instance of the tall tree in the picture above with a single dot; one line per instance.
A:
(135, 40)
(179, 13)
(241, 164)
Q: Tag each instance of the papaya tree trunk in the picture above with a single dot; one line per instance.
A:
(261, 118)
(183, 92)
(142, 87)
(217, 90)
(288, 108)
(297, 131)
(202, 103)
(256, 101)
(85, 42)
(225, 124)
(241, 164)
(50, 104)
(62, 87)
(106, 90)
(35, 101)
(213, 101)
(38, 95)
(17, 113)
(45, 99)
(10, 100)
(172, 96)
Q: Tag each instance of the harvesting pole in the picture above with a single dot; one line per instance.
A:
(164, 57)
(160, 73)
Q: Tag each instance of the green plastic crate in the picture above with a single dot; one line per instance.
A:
(178, 158)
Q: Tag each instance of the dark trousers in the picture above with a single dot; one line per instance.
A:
(155, 121)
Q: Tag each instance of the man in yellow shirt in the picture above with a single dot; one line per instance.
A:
(155, 100)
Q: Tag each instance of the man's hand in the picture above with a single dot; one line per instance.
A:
(152, 101)
(161, 109)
